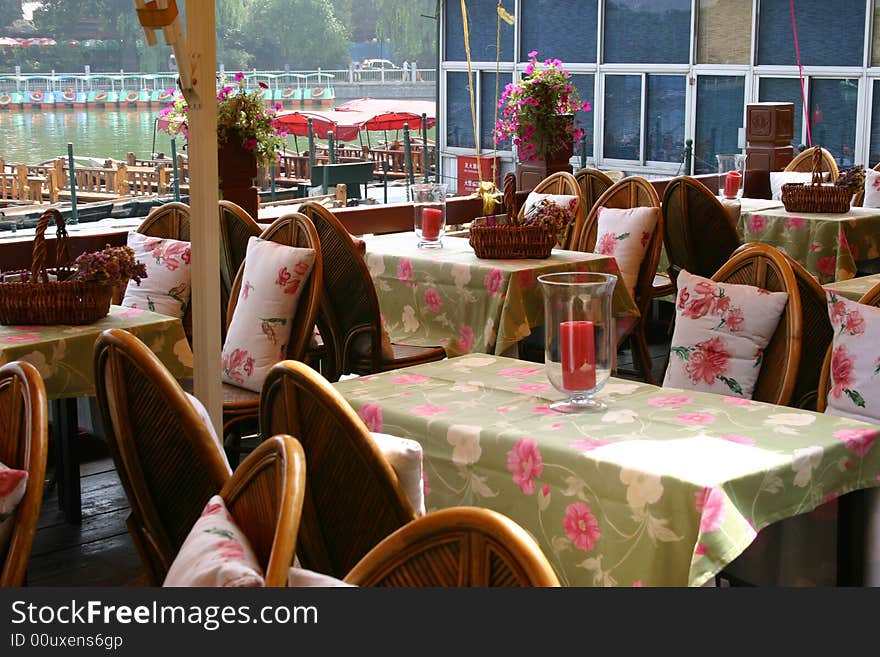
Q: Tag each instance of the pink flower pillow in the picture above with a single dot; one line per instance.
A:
(855, 360)
(872, 189)
(166, 289)
(563, 200)
(273, 279)
(215, 553)
(12, 488)
(721, 330)
(625, 234)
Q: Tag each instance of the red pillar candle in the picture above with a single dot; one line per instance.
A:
(432, 219)
(578, 352)
(732, 183)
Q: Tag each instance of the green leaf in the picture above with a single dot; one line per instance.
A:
(732, 384)
(856, 398)
(682, 352)
(622, 237)
(274, 320)
(225, 533)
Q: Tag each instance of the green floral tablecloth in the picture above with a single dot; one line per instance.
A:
(828, 245)
(663, 489)
(450, 297)
(63, 354)
(854, 288)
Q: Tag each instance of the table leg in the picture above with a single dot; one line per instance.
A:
(67, 459)
(851, 519)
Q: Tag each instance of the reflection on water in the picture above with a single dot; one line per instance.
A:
(32, 136)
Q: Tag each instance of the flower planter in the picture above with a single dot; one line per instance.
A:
(237, 169)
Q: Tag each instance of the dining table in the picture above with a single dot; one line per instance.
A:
(854, 288)
(451, 298)
(665, 487)
(832, 247)
(63, 356)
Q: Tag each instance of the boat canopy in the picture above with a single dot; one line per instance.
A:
(383, 105)
(347, 125)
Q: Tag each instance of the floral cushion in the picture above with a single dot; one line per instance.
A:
(206, 418)
(166, 289)
(624, 234)
(855, 359)
(12, 488)
(215, 553)
(872, 189)
(273, 279)
(565, 200)
(721, 330)
(780, 178)
(302, 577)
(405, 457)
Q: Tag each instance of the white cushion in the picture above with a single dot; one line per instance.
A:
(564, 200)
(166, 289)
(855, 381)
(721, 330)
(12, 488)
(780, 178)
(215, 553)
(273, 279)
(405, 457)
(203, 413)
(301, 577)
(624, 234)
(872, 189)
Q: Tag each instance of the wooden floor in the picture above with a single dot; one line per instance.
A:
(99, 551)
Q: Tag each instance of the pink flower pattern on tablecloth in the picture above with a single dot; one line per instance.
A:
(493, 281)
(711, 507)
(587, 444)
(673, 402)
(525, 278)
(525, 464)
(736, 401)
(581, 526)
(432, 300)
(405, 272)
(518, 372)
(428, 410)
(371, 414)
(533, 388)
(410, 379)
(543, 409)
(465, 337)
(24, 337)
(858, 441)
(695, 418)
(740, 440)
(827, 265)
(757, 223)
(794, 222)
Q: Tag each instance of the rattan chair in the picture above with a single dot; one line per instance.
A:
(870, 298)
(632, 192)
(696, 231)
(265, 498)
(460, 546)
(353, 496)
(562, 182)
(593, 183)
(24, 436)
(167, 459)
(804, 162)
(349, 320)
(239, 404)
(236, 228)
(762, 266)
(859, 198)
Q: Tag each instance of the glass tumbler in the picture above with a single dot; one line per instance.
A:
(429, 219)
(731, 167)
(579, 338)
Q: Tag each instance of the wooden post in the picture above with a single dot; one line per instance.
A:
(24, 192)
(122, 182)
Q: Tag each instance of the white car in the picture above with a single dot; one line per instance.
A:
(378, 64)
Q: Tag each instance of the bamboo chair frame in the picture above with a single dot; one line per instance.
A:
(24, 438)
(236, 228)
(859, 199)
(350, 320)
(167, 459)
(265, 497)
(592, 183)
(459, 546)
(870, 298)
(804, 162)
(562, 182)
(353, 498)
(631, 192)
(239, 404)
(760, 265)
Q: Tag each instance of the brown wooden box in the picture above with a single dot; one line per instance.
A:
(769, 124)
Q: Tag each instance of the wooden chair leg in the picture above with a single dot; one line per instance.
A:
(641, 353)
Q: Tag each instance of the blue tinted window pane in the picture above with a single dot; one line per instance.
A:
(623, 94)
(785, 90)
(829, 34)
(720, 101)
(487, 109)
(555, 31)
(585, 85)
(833, 117)
(874, 154)
(483, 23)
(459, 128)
(664, 131)
(647, 32)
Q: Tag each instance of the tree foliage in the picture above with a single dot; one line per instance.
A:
(404, 23)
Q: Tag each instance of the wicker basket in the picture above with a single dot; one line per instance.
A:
(816, 197)
(512, 242)
(41, 301)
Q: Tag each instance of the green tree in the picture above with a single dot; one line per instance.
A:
(301, 34)
(413, 36)
(10, 11)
